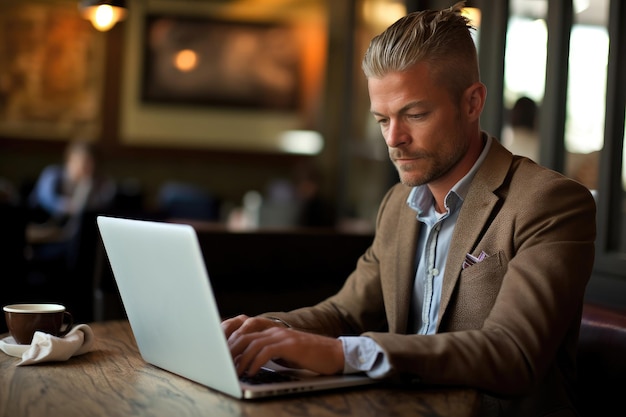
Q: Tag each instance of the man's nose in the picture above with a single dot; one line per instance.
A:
(396, 135)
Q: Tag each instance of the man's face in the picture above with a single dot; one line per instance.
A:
(421, 124)
(79, 166)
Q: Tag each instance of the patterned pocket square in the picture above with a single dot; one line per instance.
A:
(471, 259)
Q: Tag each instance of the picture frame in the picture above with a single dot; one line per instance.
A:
(220, 63)
(241, 117)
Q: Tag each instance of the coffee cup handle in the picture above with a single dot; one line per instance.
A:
(70, 323)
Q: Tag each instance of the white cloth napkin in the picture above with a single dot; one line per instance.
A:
(48, 348)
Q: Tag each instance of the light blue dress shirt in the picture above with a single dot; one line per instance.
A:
(361, 353)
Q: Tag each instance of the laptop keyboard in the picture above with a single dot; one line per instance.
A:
(264, 376)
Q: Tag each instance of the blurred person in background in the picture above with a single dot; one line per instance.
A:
(520, 136)
(63, 192)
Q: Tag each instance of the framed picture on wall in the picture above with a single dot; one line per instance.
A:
(234, 76)
(221, 63)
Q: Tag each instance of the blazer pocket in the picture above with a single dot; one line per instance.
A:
(476, 292)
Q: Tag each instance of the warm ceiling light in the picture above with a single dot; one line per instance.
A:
(103, 14)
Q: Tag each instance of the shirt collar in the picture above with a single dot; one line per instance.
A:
(421, 199)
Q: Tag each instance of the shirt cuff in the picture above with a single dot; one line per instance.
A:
(362, 354)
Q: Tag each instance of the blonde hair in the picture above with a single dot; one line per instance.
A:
(440, 38)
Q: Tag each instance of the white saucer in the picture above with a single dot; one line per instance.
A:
(8, 346)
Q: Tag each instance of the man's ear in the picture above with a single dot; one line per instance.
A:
(474, 99)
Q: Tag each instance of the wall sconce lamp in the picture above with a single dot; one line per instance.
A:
(103, 14)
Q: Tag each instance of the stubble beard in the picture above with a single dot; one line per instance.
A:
(411, 176)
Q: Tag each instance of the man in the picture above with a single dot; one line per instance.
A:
(63, 191)
(480, 260)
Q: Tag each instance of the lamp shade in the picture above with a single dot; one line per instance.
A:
(103, 14)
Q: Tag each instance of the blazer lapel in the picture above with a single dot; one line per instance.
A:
(403, 269)
(474, 216)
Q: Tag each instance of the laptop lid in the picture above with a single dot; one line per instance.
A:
(165, 289)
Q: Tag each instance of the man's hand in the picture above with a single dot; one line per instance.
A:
(247, 324)
(253, 341)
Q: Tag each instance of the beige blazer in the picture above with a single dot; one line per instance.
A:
(508, 325)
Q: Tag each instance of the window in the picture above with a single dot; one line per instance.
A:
(524, 76)
(586, 91)
(573, 69)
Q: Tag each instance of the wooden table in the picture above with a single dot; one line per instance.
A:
(113, 380)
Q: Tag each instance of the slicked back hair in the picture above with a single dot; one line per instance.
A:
(440, 38)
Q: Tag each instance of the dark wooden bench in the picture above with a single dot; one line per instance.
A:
(257, 271)
(278, 270)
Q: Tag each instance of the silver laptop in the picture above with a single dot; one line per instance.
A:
(165, 288)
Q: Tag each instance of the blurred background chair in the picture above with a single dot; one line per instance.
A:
(179, 200)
